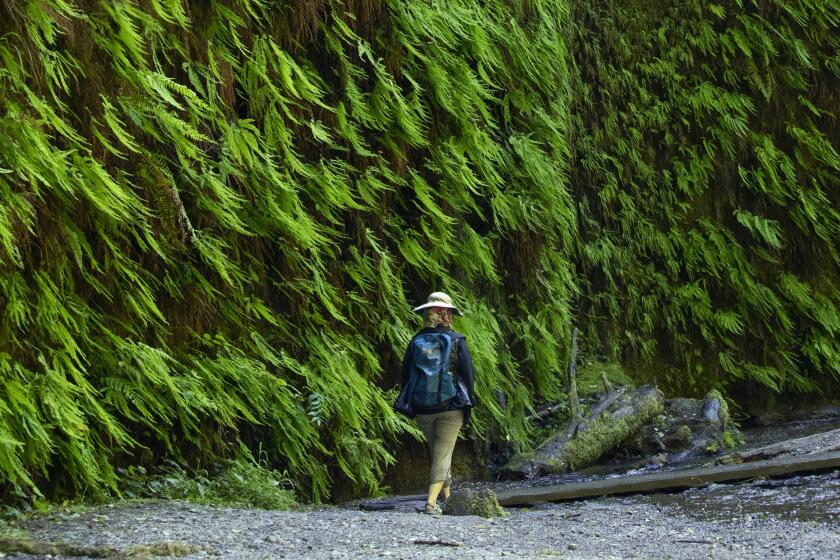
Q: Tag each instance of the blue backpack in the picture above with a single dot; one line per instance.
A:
(432, 383)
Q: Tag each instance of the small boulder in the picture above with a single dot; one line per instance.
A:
(483, 503)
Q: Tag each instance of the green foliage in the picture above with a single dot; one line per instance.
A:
(706, 168)
(240, 483)
(216, 217)
(589, 377)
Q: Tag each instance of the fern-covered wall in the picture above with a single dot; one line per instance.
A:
(217, 215)
(706, 169)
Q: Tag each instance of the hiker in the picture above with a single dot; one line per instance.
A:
(437, 387)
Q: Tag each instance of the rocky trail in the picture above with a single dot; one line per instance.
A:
(792, 518)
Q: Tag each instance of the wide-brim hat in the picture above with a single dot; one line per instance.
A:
(438, 299)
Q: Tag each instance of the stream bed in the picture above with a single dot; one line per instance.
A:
(803, 498)
(796, 517)
(812, 497)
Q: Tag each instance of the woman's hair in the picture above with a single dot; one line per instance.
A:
(435, 317)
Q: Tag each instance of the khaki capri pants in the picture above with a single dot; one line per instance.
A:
(441, 430)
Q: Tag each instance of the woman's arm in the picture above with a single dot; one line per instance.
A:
(406, 367)
(465, 367)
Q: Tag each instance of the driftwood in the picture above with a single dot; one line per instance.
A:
(817, 443)
(547, 411)
(574, 402)
(607, 402)
(402, 503)
(674, 480)
(439, 542)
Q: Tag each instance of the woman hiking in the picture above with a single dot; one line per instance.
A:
(437, 387)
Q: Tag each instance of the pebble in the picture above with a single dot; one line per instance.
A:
(606, 528)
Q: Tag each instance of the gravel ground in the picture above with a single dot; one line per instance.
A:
(637, 527)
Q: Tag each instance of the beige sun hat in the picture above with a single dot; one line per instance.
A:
(438, 299)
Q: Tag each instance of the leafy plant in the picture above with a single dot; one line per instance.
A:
(211, 211)
(239, 483)
(705, 165)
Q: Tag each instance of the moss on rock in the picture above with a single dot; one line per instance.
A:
(723, 412)
(483, 503)
(588, 379)
(684, 434)
(732, 435)
(605, 433)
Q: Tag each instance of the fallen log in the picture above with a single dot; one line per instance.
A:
(402, 503)
(580, 443)
(816, 443)
(675, 480)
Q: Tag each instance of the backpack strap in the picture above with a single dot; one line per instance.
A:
(447, 355)
(456, 351)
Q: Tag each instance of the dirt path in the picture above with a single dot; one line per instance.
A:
(637, 527)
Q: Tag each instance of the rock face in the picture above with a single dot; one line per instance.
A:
(687, 428)
(578, 444)
(471, 502)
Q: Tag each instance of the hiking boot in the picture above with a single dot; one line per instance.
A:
(432, 509)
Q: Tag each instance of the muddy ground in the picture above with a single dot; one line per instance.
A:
(793, 518)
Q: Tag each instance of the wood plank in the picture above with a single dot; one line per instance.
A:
(815, 443)
(673, 480)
